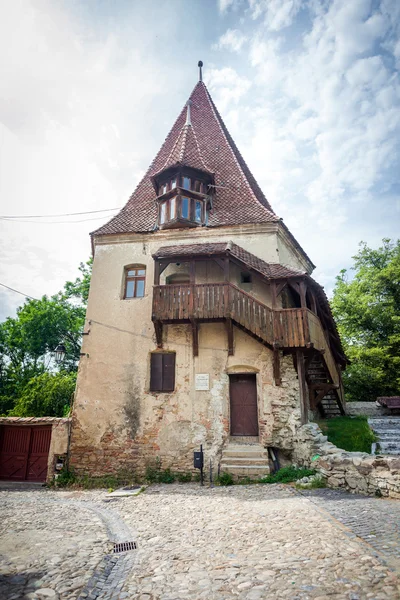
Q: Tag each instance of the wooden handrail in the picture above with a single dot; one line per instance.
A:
(285, 327)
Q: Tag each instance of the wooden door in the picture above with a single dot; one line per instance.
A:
(24, 453)
(243, 400)
(38, 454)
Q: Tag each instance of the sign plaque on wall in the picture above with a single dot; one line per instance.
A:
(202, 381)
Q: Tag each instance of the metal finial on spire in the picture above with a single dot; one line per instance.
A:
(200, 64)
(188, 119)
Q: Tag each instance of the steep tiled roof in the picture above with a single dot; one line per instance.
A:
(238, 198)
(268, 270)
(186, 151)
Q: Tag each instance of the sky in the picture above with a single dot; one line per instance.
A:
(309, 90)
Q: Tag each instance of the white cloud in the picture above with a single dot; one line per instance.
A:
(277, 14)
(232, 40)
(226, 86)
(321, 131)
(225, 5)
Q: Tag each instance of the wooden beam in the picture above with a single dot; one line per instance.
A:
(192, 273)
(156, 272)
(195, 335)
(220, 261)
(274, 294)
(226, 269)
(313, 302)
(318, 398)
(277, 368)
(280, 287)
(229, 330)
(295, 286)
(303, 292)
(158, 328)
(301, 374)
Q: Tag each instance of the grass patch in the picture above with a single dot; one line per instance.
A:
(86, 482)
(287, 475)
(349, 433)
(224, 479)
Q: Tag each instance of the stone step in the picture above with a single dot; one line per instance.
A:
(238, 470)
(254, 440)
(244, 453)
(384, 421)
(245, 460)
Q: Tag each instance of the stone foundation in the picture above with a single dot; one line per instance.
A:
(356, 472)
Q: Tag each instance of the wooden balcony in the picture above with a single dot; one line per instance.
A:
(298, 329)
(207, 302)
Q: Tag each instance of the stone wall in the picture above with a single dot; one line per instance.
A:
(356, 472)
(368, 409)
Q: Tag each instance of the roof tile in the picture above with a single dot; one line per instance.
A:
(238, 199)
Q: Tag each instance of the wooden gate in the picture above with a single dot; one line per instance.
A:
(24, 452)
(243, 399)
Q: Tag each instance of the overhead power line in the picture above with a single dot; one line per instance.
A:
(8, 220)
(87, 212)
(18, 292)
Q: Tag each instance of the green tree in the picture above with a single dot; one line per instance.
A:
(367, 312)
(46, 395)
(28, 341)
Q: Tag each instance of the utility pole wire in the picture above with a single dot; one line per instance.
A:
(17, 292)
(88, 212)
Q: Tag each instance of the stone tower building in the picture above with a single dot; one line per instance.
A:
(204, 325)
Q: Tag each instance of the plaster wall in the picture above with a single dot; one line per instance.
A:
(58, 444)
(117, 423)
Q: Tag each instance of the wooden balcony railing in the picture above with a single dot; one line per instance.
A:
(285, 328)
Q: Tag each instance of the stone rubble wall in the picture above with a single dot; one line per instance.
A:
(357, 472)
(368, 409)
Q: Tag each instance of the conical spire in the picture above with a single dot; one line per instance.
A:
(186, 150)
(203, 143)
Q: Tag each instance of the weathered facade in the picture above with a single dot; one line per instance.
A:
(203, 323)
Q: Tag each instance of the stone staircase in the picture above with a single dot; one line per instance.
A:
(316, 373)
(245, 457)
(387, 430)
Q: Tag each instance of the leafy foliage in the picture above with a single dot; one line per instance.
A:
(46, 395)
(287, 475)
(367, 311)
(31, 384)
(225, 479)
(349, 433)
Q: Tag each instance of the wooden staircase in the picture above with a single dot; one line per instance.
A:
(293, 329)
(319, 380)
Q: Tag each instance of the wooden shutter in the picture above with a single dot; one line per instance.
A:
(156, 370)
(162, 372)
(168, 372)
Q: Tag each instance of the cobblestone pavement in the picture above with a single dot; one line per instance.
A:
(375, 520)
(244, 542)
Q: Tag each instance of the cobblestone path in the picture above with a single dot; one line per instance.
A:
(375, 520)
(244, 542)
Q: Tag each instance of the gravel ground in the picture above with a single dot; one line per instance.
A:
(245, 542)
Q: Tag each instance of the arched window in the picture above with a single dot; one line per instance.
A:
(135, 279)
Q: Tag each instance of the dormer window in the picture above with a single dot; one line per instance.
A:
(198, 211)
(183, 197)
(172, 208)
(185, 208)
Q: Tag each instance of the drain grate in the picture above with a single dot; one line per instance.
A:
(124, 547)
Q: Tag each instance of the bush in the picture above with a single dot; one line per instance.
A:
(349, 433)
(287, 475)
(184, 477)
(68, 478)
(224, 479)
